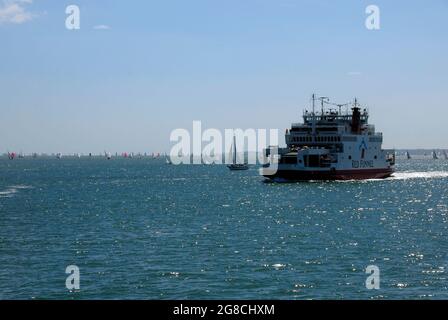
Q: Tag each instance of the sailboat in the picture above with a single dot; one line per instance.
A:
(445, 155)
(107, 155)
(434, 155)
(235, 165)
(168, 159)
(408, 156)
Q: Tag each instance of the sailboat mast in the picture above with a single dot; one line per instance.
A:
(234, 150)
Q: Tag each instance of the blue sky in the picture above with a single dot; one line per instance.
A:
(159, 65)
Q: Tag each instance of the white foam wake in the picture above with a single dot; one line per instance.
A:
(8, 193)
(419, 175)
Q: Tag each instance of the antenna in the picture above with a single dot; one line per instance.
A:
(339, 106)
(314, 100)
(314, 116)
(322, 100)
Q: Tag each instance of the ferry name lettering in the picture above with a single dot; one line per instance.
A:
(362, 164)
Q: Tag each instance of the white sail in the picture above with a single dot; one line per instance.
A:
(237, 164)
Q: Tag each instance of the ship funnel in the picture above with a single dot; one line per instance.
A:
(356, 119)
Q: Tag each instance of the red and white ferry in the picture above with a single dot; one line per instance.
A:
(331, 144)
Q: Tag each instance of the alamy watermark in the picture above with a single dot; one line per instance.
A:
(373, 19)
(73, 20)
(373, 280)
(213, 146)
(73, 280)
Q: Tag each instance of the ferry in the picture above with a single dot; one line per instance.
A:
(330, 144)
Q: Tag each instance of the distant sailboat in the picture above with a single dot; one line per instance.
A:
(107, 155)
(233, 154)
(11, 155)
(408, 156)
(445, 155)
(434, 155)
(59, 155)
(168, 159)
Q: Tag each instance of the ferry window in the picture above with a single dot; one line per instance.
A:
(375, 157)
(349, 157)
(291, 160)
(313, 161)
(363, 153)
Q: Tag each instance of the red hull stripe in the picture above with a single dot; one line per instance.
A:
(333, 175)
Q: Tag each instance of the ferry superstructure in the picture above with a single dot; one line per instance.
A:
(331, 144)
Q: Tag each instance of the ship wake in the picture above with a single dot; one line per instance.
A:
(419, 175)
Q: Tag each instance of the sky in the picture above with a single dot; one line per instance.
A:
(138, 69)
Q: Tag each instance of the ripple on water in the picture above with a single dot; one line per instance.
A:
(142, 229)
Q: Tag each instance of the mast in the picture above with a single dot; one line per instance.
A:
(234, 149)
(314, 116)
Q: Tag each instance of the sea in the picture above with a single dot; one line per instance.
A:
(142, 229)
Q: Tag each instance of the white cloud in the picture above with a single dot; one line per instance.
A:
(354, 73)
(15, 11)
(101, 27)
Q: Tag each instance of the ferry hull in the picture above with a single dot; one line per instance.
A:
(307, 175)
